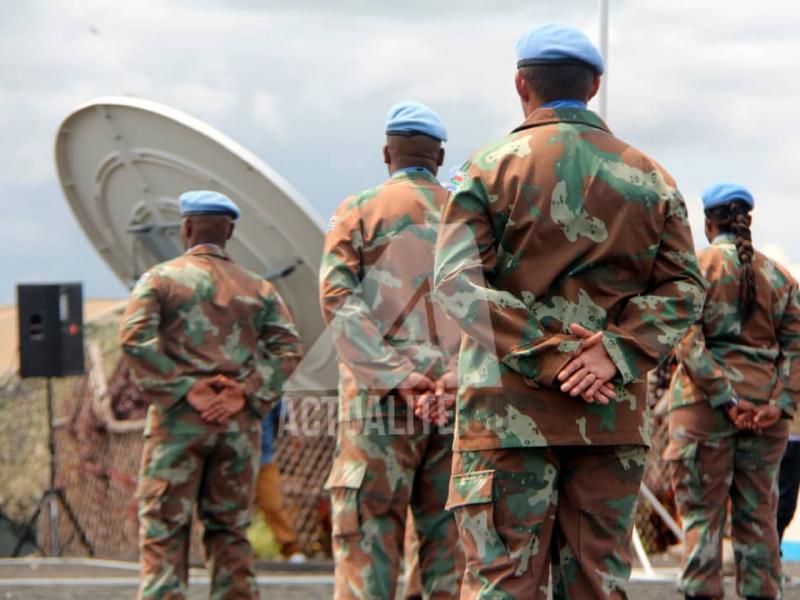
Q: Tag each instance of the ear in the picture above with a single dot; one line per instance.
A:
(440, 158)
(387, 156)
(231, 227)
(185, 232)
(522, 87)
(595, 86)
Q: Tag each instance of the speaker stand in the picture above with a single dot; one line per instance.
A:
(52, 496)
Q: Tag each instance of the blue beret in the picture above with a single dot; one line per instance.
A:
(408, 118)
(722, 193)
(558, 44)
(206, 202)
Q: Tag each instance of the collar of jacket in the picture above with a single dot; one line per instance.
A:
(412, 173)
(548, 116)
(723, 238)
(208, 250)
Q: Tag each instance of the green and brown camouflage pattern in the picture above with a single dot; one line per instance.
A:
(711, 462)
(200, 315)
(524, 512)
(561, 222)
(197, 316)
(380, 469)
(758, 360)
(217, 470)
(375, 284)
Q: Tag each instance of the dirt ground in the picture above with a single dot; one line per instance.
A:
(104, 581)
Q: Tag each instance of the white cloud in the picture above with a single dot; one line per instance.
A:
(706, 88)
(267, 112)
(778, 254)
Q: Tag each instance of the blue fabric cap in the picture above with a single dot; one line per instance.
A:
(555, 43)
(206, 202)
(408, 118)
(722, 193)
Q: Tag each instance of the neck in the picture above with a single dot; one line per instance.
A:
(191, 243)
(411, 163)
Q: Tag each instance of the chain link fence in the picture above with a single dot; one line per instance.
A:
(99, 422)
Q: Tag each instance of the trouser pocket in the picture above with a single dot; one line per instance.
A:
(471, 498)
(344, 483)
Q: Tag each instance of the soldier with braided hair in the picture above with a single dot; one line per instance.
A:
(732, 397)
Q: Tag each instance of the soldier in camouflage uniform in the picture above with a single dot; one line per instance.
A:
(566, 257)
(210, 345)
(396, 348)
(739, 373)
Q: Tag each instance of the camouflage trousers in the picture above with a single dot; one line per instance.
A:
(218, 471)
(377, 474)
(727, 465)
(522, 512)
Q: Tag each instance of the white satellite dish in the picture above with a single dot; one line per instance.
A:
(123, 162)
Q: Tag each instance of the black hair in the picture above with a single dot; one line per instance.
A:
(734, 218)
(559, 81)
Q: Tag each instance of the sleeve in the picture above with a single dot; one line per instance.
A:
(466, 257)
(703, 369)
(356, 333)
(787, 389)
(277, 353)
(155, 372)
(652, 323)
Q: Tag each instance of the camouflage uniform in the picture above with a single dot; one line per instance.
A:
(558, 223)
(375, 293)
(711, 459)
(197, 316)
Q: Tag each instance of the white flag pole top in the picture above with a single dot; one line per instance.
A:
(123, 162)
(603, 99)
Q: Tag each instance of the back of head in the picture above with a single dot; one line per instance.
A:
(728, 207)
(414, 151)
(559, 82)
(207, 229)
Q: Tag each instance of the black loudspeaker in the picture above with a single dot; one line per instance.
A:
(50, 329)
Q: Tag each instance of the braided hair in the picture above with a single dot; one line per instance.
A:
(734, 218)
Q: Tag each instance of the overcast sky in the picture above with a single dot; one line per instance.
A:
(708, 88)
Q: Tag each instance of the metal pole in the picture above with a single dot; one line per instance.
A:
(603, 95)
(641, 554)
(52, 447)
(661, 511)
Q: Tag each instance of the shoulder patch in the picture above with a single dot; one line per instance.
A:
(456, 180)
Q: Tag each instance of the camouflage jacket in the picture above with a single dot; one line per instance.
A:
(720, 357)
(200, 315)
(375, 284)
(561, 222)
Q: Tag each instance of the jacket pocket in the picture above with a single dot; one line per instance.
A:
(344, 483)
(471, 498)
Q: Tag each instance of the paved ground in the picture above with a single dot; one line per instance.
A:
(103, 581)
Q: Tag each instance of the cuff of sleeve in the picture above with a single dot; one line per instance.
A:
(541, 365)
(167, 395)
(259, 405)
(723, 396)
(787, 405)
(613, 343)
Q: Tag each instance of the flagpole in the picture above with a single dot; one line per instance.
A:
(603, 96)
